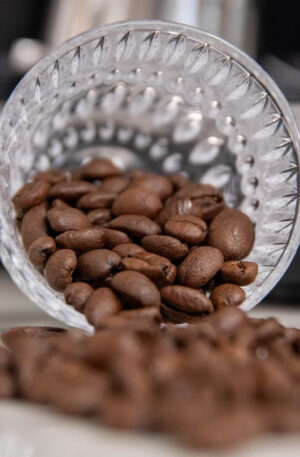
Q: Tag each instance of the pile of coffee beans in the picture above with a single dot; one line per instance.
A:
(226, 378)
(112, 241)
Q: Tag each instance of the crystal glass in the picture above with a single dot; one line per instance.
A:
(166, 97)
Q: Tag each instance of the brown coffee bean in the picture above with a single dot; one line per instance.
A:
(31, 194)
(71, 190)
(100, 168)
(34, 224)
(97, 199)
(5, 358)
(40, 250)
(137, 201)
(116, 185)
(77, 293)
(128, 249)
(8, 387)
(229, 320)
(200, 266)
(166, 246)
(97, 264)
(59, 269)
(159, 269)
(58, 203)
(233, 233)
(179, 181)
(51, 176)
(81, 240)
(149, 314)
(155, 183)
(177, 208)
(241, 273)
(227, 295)
(135, 225)
(135, 289)
(102, 304)
(186, 299)
(99, 216)
(136, 173)
(15, 336)
(208, 197)
(187, 228)
(178, 317)
(64, 219)
(114, 238)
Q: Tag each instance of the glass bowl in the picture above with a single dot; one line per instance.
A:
(166, 97)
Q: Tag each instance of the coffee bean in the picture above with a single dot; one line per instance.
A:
(51, 176)
(135, 289)
(233, 233)
(116, 184)
(135, 225)
(77, 293)
(227, 295)
(241, 273)
(31, 194)
(177, 208)
(137, 201)
(40, 250)
(114, 238)
(58, 203)
(64, 219)
(159, 269)
(100, 168)
(82, 240)
(187, 228)
(179, 181)
(186, 299)
(128, 249)
(155, 183)
(97, 199)
(5, 358)
(75, 174)
(34, 225)
(8, 386)
(200, 266)
(229, 320)
(208, 197)
(150, 314)
(97, 264)
(59, 269)
(71, 190)
(172, 315)
(102, 304)
(99, 216)
(13, 337)
(166, 246)
(136, 173)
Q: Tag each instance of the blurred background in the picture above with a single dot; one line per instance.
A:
(268, 30)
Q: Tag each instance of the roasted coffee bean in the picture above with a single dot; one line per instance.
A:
(208, 197)
(166, 246)
(233, 233)
(97, 264)
(159, 269)
(31, 194)
(99, 216)
(102, 304)
(136, 173)
(97, 199)
(171, 314)
(229, 320)
(116, 184)
(135, 225)
(114, 238)
(187, 228)
(179, 181)
(82, 240)
(135, 289)
(128, 249)
(34, 225)
(227, 295)
(64, 219)
(186, 299)
(51, 176)
(8, 387)
(59, 269)
(126, 318)
(200, 266)
(40, 250)
(177, 208)
(5, 358)
(75, 174)
(155, 183)
(241, 273)
(77, 293)
(137, 201)
(58, 203)
(13, 337)
(100, 168)
(71, 190)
